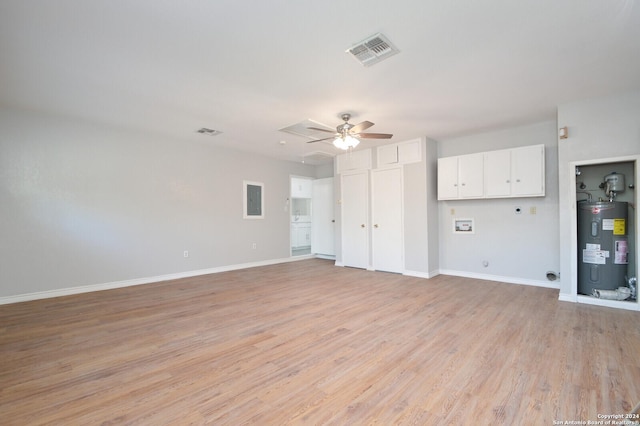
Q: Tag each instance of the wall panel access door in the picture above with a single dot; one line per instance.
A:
(386, 211)
(355, 219)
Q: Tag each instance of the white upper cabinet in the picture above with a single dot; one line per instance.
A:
(355, 160)
(461, 177)
(387, 154)
(400, 153)
(497, 169)
(517, 172)
(301, 188)
(527, 171)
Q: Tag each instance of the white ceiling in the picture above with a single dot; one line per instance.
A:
(248, 68)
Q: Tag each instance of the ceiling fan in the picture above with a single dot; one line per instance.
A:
(347, 134)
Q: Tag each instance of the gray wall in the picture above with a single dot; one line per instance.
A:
(599, 129)
(85, 204)
(518, 248)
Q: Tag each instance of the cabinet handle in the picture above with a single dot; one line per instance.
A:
(517, 180)
(362, 226)
(455, 184)
(508, 181)
(333, 221)
(375, 226)
(463, 184)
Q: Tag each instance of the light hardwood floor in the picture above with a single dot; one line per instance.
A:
(311, 343)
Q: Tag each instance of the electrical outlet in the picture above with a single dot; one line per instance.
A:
(453, 212)
(253, 246)
(532, 210)
(185, 253)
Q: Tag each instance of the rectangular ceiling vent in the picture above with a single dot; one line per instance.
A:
(373, 50)
(209, 132)
(303, 129)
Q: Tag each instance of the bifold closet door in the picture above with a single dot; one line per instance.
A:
(386, 213)
(355, 219)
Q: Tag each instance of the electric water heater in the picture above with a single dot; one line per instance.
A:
(602, 246)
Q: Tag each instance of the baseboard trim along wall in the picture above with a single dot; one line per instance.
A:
(499, 278)
(419, 274)
(139, 281)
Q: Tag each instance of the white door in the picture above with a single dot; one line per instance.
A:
(323, 223)
(355, 219)
(386, 212)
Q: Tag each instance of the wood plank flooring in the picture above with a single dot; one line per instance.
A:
(311, 343)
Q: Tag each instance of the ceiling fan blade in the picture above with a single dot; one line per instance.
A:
(320, 140)
(361, 126)
(374, 135)
(321, 130)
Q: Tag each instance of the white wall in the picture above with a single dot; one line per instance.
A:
(84, 204)
(518, 248)
(599, 129)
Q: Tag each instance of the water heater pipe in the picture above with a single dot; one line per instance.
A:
(621, 293)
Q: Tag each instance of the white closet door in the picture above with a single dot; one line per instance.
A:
(323, 222)
(355, 219)
(387, 232)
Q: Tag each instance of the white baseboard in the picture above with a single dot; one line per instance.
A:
(420, 274)
(500, 278)
(326, 256)
(563, 297)
(139, 281)
(620, 304)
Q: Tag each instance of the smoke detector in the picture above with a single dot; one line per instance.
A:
(373, 50)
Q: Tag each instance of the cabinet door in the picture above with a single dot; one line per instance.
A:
(410, 152)
(386, 212)
(295, 235)
(471, 176)
(301, 187)
(355, 160)
(355, 219)
(387, 154)
(497, 172)
(527, 171)
(447, 178)
(306, 236)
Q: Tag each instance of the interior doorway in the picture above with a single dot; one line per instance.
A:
(300, 215)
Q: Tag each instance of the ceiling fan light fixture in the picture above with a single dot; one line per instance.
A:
(345, 142)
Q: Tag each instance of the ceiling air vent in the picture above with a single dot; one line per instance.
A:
(373, 50)
(209, 132)
(303, 129)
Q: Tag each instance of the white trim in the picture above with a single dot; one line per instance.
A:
(499, 278)
(139, 281)
(564, 297)
(420, 274)
(326, 256)
(588, 300)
